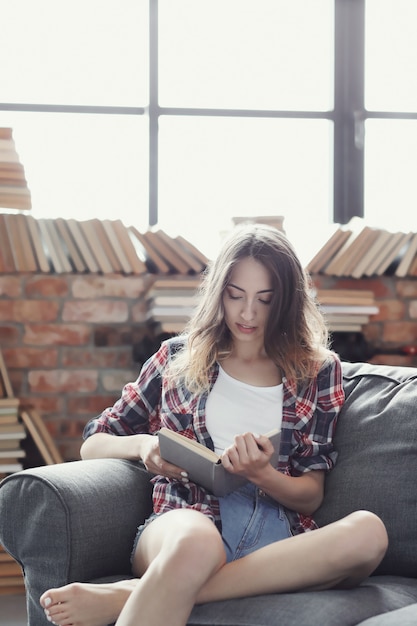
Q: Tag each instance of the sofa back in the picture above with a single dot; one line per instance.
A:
(376, 439)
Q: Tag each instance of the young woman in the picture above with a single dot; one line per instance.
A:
(255, 356)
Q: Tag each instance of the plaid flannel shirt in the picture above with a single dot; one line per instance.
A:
(308, 424)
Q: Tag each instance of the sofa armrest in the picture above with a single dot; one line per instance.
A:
(72, 521)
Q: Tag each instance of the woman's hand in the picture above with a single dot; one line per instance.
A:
(154, 463)
(248, 456)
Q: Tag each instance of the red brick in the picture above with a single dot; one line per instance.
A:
(139, 312)
(406, 288)
(17, 380)
(95, 287)
(9, 335)
(47, 287)
(412, 309)
(70, 449)
(381, 287)
(57, 334)
(400, 333)
(115, 381)
(72, 428)
(100, 311)
(320, 281)
(390, 310)
(31, 357)
(393, 359)
(118, 335)
(45, 404)
(28, 311)
(10, 286)
(373, 333)
(62, 381)
(101, 358)
(89, 404)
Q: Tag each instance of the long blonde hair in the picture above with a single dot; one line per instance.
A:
(296, 337)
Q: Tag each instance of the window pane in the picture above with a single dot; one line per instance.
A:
(270, 54)
(84, 166)
(390, 174)
(89, 52)
(212, 169)
(391, 54)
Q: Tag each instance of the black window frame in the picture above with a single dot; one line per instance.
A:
(348, 116)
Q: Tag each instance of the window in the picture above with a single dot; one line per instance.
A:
(190, 112)
(391, 118)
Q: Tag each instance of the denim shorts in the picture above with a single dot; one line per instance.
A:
(251, 520)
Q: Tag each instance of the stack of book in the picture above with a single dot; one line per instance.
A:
(358, 250)
(11, 434)
(346, 310)
(171, 302)
(14, 192)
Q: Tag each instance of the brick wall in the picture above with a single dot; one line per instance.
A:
(392, 333)
(67, 341)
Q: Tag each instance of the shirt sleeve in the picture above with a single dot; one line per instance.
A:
(318, 409)
(137, 410)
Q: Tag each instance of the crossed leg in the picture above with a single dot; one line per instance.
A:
(182, 554)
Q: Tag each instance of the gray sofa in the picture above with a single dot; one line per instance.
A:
(77, 521)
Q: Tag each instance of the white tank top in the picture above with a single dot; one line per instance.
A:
(234, 408)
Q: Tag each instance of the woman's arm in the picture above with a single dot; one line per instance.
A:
(143, 448)
(105, 445)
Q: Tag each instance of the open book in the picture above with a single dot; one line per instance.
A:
(204, 466)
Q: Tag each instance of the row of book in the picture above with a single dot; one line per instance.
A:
(346, 310)
(14, 192)
(92, 246)
(358, 250)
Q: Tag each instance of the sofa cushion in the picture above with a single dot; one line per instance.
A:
(334, 607)
(407, 616)
(376, 438)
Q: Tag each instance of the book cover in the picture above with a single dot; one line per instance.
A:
(204, 466)
(12, 431)
(393, 252)
(407, 260)
(154, 262)
(73, 254)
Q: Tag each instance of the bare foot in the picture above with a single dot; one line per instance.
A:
(85, 604)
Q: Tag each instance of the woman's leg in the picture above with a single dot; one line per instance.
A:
(176, 555)
(341, 554)
(186, 560)
(85, 604)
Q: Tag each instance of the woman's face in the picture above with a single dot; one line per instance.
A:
(247, 301)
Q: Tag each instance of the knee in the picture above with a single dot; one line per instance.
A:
(366, 537)
(201, 545)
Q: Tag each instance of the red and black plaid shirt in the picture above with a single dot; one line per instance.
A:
(309, 418)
